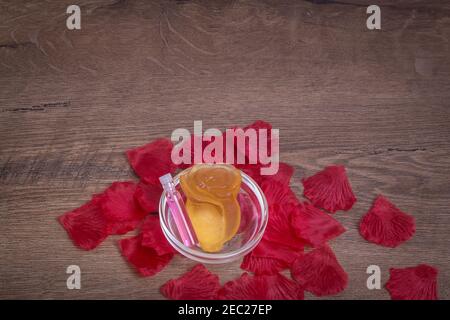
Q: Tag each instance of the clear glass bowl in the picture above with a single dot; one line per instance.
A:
(254, 216)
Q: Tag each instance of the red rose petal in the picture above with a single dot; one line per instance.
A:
(269, 258)
(264, 287)
(330, 189)
(197, 284)
(147, 196)
(262, 265)
(282, 288)
(279, 196)
(414, 283)
(153, 237)
(283, 176)
(146, 261)
(120, 207)
(267, 249)
(152, 160)
(386, 225)
(315, 226)
(319, 272)
(279, 230)
(281, 201)
(252, 170)
(86, 225)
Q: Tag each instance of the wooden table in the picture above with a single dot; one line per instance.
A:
(72, 101)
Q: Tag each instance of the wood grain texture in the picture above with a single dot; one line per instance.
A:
(71, 103)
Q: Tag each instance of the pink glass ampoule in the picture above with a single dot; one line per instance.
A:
(178, 211)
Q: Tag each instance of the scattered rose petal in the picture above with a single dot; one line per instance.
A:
(246, 287)
(315, 226)
(319, 272)
(152, 160)
(267, 249)
(252, 170)
(146, 261)
(330, 189)
(153, 237)
(197, 284)
(281, 201)
(262, 265)
(269, 258)
(86, 225)
(386, 225)
(283, 176)
(279, 196)
(282, 288)
(261, 287)
(120, 208)
(279, 230)
(148, 195)
(414, 283)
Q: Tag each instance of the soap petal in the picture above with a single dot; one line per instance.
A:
(386, 225)
(86, 225)
(314, 226)
(152, 160)
(153, 237)
(330, 189)
(146, 261)
(197, 284)
(414, 283)
(148, 196)
(319, 272)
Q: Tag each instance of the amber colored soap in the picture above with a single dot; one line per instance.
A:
(211, 202)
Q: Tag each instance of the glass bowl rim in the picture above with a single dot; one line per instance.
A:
(206, 257)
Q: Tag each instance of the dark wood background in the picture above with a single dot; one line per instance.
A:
(71, 103)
